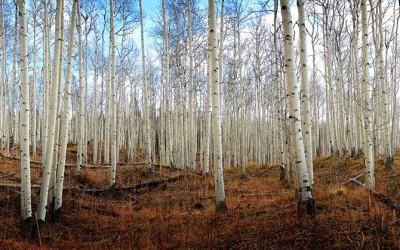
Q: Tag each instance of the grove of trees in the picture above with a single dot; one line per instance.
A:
(212, 85)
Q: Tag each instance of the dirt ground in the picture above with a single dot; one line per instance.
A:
(262, 210)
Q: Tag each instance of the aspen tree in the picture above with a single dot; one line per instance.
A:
(113, 100)
(221, 52)
(33, 101)
(86, 117)
(329, 88)
(169, 145)
(47, 79)
(315, 131)
(66, 115)
(382, 74)
(358, 98)
(395, 86)
(81, 129)
(108, 107)
(216, 114)
(145, 94)
(95, 108)
(208, 111)
(3, 80)
(304, 194)
(278, 101)
(243, 149)
(53, 176)
(192, 150)
(367, 91)
(44, 189)
(26, 202)
(13, 91)
(305, 104)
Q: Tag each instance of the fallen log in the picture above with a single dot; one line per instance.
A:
(260, 172)
(350, 180)
(5, 175)
(32, 186)
(154, 184)
(151, 184)
(360, 184)
(382, 198)
(96, 165)
(17, 185)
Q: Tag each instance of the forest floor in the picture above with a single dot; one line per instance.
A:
(262, 210)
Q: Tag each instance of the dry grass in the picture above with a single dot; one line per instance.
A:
(262, 212)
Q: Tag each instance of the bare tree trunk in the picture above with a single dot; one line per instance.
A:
(304, 194)
(368, 142)
(95, 108)
(65, 118)
(192, 150)
(305, 107)
(113, 101)
(44, 190)
(3, 81)
(216, 114)
(169, 139)
(26, 202)
(280, 128)
(145, 93)
(81, 127)
(33, 101)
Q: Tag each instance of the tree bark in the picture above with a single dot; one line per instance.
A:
(216, 114)
(304, 194)
(44, 190)
(368, 142)
(66, 115)
(26, 202)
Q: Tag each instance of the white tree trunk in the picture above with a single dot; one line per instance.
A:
(47, 79)
(305, 107)
(216, 114)
(208, 110)
(44, 189)
(95, 113)
(280, 128)
(191, 142)
(33, 101)
(145, 93)
(368, 142)
(113, 101)
(67, 113)
(26, 203)
(81, 129)
(168, 148)
(3, 81)
(293, 92)
(243, 149)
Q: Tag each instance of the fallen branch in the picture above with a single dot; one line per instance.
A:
(4, 175)
(259, 172)
(32, 186)
(382, 198)
(360, 184)
(350, 180)
(13, 157)
(261, 194)
(151, 184)
(17, 185)
(154, 184)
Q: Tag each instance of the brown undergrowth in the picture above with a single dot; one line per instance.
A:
(180, 215)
